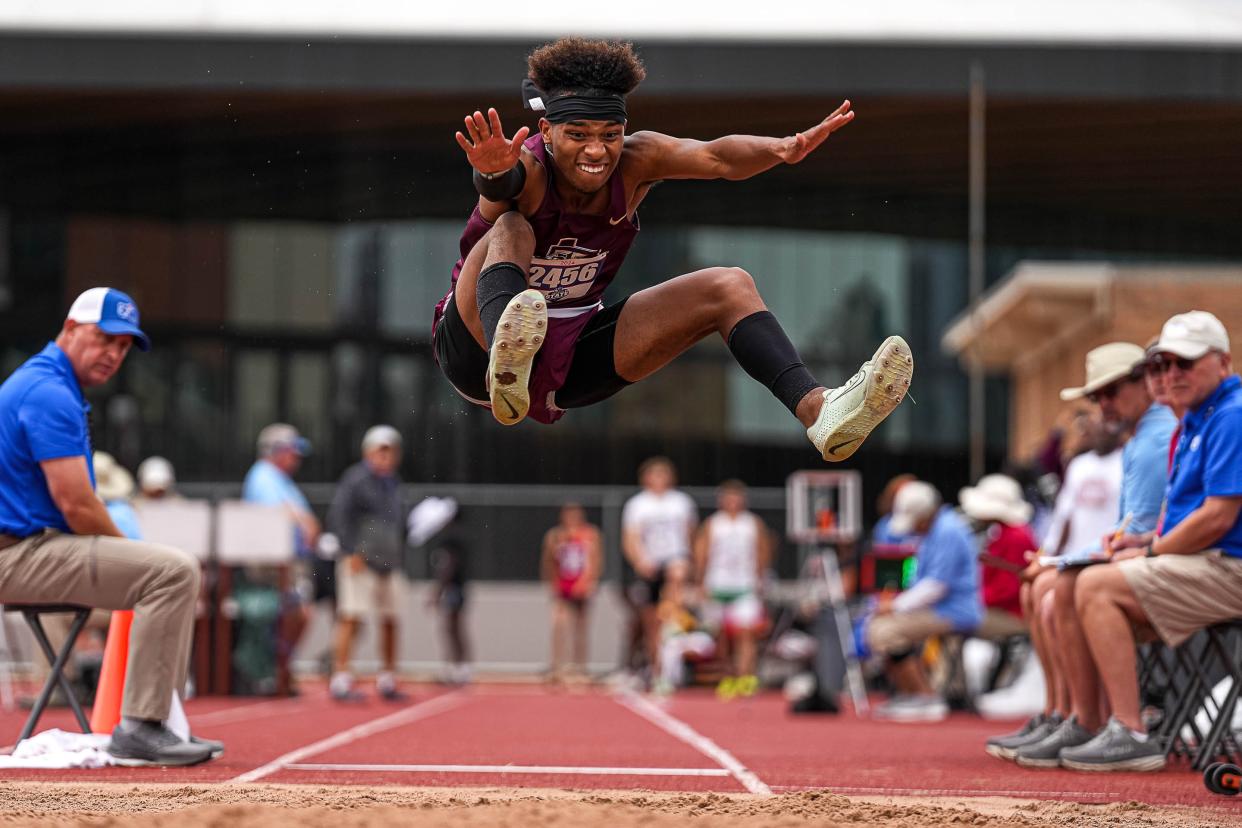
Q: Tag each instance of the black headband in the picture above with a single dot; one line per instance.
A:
(586, 106)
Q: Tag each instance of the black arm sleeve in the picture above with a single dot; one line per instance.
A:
(503, 187)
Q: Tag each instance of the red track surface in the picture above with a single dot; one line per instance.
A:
(529, 726)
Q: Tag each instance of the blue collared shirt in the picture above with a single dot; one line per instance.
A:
(947, 554)
(1145, 464)
(42, 417)
(270, 486)
(1208, 462)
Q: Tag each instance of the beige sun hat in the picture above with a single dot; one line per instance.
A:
(112, 481)
(1105, 365)
(996, 497)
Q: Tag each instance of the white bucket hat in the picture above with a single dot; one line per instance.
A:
(1105, 365)
(1191, 335)
(996, 497)
(112, 481)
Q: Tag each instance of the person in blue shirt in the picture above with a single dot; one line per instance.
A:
(58, 545)
(1189, 576)
(1116, 383)
(269, 482)
(944, 598)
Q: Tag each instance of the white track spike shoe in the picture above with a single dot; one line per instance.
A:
(519, 334)
(849, 413)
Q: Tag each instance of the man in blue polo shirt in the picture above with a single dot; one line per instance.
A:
(58, 544)
(944, 598)
(1190, 576)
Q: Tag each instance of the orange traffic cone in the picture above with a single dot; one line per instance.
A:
(106, 714)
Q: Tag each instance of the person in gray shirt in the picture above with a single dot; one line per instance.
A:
(367, 517)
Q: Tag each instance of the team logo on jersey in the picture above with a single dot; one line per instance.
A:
(567, 271)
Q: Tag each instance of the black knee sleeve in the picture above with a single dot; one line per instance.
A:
(497, 284)
(760, 346)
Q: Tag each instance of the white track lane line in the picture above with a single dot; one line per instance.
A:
(680, 730)
(408, 715)
(510, 769)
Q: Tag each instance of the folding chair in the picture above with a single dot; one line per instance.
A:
(1184, 676)
(57, 660)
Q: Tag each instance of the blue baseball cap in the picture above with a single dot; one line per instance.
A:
(113, 311)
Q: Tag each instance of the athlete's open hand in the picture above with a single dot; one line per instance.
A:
(799, 145)
(487, 148)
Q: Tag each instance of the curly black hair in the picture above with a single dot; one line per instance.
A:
(576, 64)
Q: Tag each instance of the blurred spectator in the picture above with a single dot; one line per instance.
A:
(657, 525)
(1191, 575)
(1090, 498)
(682, 639)
(115, 487)
(571, 564)
(997, 505)
(731, 551)
(368, 518)
(449, 568)
(269, 481)
(156, 478)
(881, 533)
(944, 598)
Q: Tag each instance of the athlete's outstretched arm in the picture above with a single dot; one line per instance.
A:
(733, 157)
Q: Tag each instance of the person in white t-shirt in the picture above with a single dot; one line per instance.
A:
(1090, 498)
(731, 550)
(657, 525)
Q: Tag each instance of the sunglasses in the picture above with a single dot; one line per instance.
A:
(1162, 363)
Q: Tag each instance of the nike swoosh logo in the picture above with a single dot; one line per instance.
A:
(615, 221)
(833, 449)
(513, 412)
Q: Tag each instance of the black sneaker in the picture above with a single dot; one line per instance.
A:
(1036, 728)
(1115, 748)
(815, 703)
(1046, 753)
(153, 744)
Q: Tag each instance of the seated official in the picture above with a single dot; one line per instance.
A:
(1188, 577)
(58, 545)
(944, 598)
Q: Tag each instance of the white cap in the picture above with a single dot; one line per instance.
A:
(156, 473)
(381, 435)
(914, 502)
(1105, 365)
(1191, 335)
(997, 497)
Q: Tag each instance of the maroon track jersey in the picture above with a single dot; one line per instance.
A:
(576, 257)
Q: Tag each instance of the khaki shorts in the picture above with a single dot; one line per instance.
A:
(999, 624)
(1182, 594)
(358, 594)
(899, 632)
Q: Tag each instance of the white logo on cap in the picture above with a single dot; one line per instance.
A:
(127, 311)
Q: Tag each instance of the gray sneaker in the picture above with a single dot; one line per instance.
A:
(913, 708)
(1115, 749)
(1036, 728)
(146, 743)
(1046, 753)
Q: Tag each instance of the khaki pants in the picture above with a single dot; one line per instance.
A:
(159, 583)
(899, 632)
